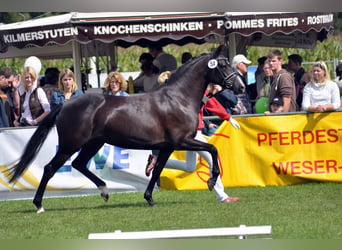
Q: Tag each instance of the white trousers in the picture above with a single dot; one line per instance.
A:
(190, 166)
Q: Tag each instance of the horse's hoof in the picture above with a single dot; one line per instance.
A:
(211, 183)
(105, 196)
(38, 204)
(104, 193)
(151, 203)
(40, 210)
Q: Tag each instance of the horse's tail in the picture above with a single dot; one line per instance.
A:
(34, 144)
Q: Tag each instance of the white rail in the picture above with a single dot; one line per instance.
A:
(241, 232)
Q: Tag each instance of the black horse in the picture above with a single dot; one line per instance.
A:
(165, 119)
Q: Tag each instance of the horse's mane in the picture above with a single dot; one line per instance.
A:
(184, 69)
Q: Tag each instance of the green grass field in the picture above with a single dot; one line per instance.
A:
(309, 211)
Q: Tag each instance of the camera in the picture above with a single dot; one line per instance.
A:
(10, 86)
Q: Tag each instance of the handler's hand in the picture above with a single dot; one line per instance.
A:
(234, 123)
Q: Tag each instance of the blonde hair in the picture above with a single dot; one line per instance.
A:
(163, 77)
(68, 73)
(322, 65)
(118, 77)
(29, 70)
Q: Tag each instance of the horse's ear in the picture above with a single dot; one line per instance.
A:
(220, 51)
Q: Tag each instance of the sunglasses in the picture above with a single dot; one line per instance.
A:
(319, 65)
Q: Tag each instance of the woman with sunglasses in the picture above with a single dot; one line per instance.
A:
(321, 93)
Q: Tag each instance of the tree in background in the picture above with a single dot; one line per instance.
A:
(12, 17)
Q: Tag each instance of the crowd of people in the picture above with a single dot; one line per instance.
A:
(277, 81)
(25, 100)
(294, 89)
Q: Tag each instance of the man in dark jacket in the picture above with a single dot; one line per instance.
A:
(240, 63)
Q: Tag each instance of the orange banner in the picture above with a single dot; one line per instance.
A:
(270, 150)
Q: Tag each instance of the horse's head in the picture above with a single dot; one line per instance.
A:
(222, 73)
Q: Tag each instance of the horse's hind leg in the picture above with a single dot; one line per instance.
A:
(161, 160)
(80, 163)
(215, 172)
(196, 145)
(49, 171)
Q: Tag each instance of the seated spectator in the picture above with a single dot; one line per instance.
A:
(321, 94)
(34, 103)
(50, 82)
(67, 88)
(115, 84)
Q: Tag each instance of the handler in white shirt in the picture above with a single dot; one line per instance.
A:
(321, 94)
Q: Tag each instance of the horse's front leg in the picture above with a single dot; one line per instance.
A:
(163, 156)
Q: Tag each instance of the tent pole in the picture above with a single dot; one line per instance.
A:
(232, 46)
(77, 65)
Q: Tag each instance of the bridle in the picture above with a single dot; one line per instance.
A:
(227, 79)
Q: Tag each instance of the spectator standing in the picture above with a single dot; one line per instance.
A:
(240, 63)
(145, 57)
(338, 79)
(3, 116)
(8, 93)
(338, 72)
(115, 84)
(321, 94)
(261, 104)
(138, 82)
(148, 80)
(282, 84)
(186, 56)
(300, 76)
(163, 61)
(268, 73)
(34, 103)
(67, 88)
(50, 82)
(260, 74)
